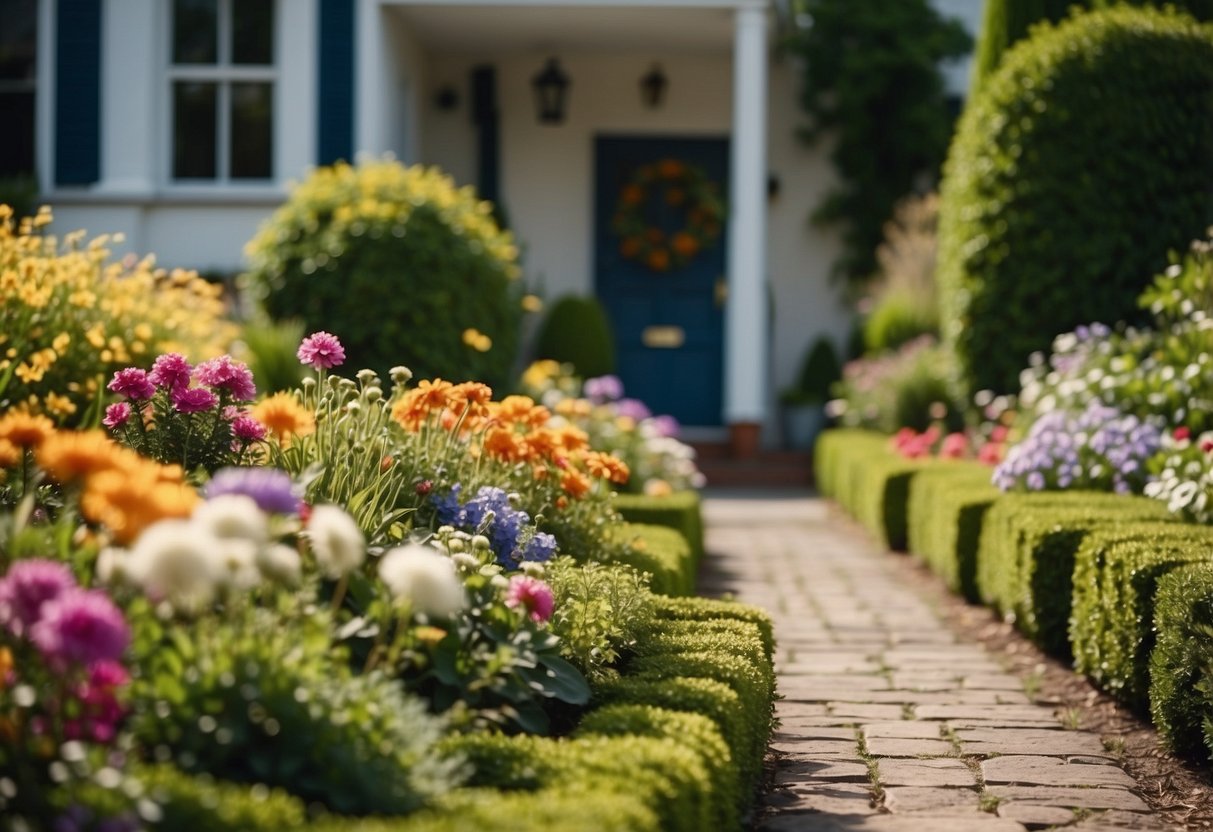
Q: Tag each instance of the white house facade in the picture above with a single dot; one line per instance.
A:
(181, 123)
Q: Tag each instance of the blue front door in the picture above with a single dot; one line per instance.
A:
(659, 268)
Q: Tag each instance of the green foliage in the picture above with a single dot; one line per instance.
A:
(1116, 575)
(833, 454)
(576, 331)
(1041, 226)
(872, 84)
(20, 193)
(909, 388)
(896, 319)
(819, 371)
(947, 506)
(1025, 561)
(189, 802)
(269, 700)
(680, 510)
(268, 347)
(400, 265)
(717, 612)
(599, 610)
(1181, 664)
(661, 552)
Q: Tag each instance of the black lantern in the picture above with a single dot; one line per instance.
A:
(551, 86)
(652, 87)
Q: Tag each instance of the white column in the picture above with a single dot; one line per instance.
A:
(371, 82)
(133, 59)
(746, 318)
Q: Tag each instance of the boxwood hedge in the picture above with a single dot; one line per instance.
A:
(947, 506)
(660, 551)
(1042, 225)
(681, 511)
(1181, 665)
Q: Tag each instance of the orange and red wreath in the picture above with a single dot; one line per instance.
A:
(681, 186)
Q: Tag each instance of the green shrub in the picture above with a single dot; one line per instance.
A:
(712, 610)
(398, 263)
(1025, 562)
(694, 731)
(680, 510)
(576, 331)
(947, 506)
(571, 807)
(819, 370)
(189, 802)
(1115, 579)
(269, 348)
(906, 388)
(1181, 665)
(833, 454)
(883, 495)
(1041, 227)
(660, 551)
(896, 319)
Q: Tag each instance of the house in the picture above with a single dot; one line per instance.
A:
(180, 123)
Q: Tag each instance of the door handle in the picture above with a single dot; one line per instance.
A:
(721, 292)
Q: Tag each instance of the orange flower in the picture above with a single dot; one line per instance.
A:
(630, 247)
(575, 483)
(515, 409)
(658, 260)
(505, 445)
(632, 195)
(24, 430)
(434, 395)
(654, 235)
(574, 408)
(284, 417)
(675, 197)
(128, 502)
(539, 473)
(543, 442)
(572, 439)
(670, 168)
(606, 467)
(415, 406)
(69, 455)
(10, 454)
(470, 393)
(685, 245)
(562, 502)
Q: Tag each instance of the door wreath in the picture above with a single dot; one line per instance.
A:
(684, 188)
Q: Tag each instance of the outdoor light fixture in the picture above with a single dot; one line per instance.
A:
(652, 87)
(551, 87)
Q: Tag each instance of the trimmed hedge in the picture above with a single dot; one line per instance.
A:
(1115, 579)
(680, 511)
(709, 610)
(1181, 665)
(947, 506)
(1041, 224)
(833, 455)
(660, 551)
(1025, 560)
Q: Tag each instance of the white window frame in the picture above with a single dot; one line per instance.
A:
(223, 73)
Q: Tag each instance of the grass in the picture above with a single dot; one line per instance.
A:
(1071, 719)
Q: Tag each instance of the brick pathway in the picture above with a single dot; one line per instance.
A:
(890, 721)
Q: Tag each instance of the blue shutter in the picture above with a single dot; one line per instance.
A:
(335, 85)
(78, 92)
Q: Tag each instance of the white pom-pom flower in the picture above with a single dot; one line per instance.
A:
(336, 541)
(425, 578)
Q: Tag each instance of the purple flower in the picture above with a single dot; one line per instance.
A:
(171, 371)
(82, 626)
(539, 548)
(666, 426)
(633, 409)
(603, 389)
(247, 429)
(132, 383)
(193, 399)
(29, 585)
(116, 415)
(227, 376)
(271, 489)
(321, 350)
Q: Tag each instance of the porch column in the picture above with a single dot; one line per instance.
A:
(746, 311)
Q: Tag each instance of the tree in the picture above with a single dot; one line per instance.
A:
(872, 82)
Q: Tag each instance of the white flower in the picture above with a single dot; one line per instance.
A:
(281, 563)
(233, 516)
(424, 577)
(112, 565)
(175, 560)
(336, 541)
(236, 560)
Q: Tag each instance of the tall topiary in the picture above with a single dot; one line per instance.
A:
(1082, 161)
(578, 332)
(400, 264)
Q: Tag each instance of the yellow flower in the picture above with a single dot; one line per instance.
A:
(284, 417)
(477, 340)
(532, 303)
(58, 405)
(61, 342)
(540, 372)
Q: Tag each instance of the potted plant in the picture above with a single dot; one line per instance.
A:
(804, 403)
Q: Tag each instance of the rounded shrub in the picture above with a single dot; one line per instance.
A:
(896, 319)
(578, 332)
(401, 265)
(1080, 162)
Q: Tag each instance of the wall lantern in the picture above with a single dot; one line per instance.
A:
(551, 88)
(652, 87)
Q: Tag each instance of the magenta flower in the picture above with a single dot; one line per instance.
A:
(228, 376)
(101, 712)
(81, 626)
(116, 415)
(29, 585)
(132, 383)
(532, 594)
(247, 429)
(321, 350)
(193, 399)
(171, 371)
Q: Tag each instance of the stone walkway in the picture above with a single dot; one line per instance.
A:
(889, 720)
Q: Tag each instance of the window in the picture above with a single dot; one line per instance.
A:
(18, 85)
(222, 79)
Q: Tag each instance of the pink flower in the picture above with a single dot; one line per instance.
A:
(193, 399)
(132, 383)
(247, 429)
(83, 626)
(171, 371)
(27, 587)
(532, 594)
(1182, 433)
(100, 709)
(955, 446)
(116, 415)
(321, 350)
(227, 376)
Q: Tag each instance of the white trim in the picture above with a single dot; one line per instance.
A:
(44, 98)
(746, 318)
(648, 4)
